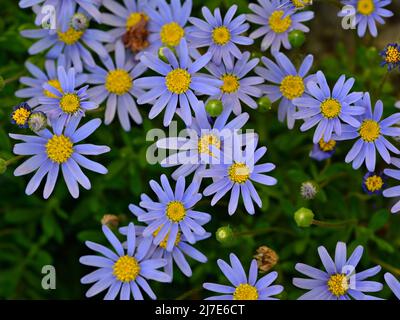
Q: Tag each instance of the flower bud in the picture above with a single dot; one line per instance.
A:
(308, 190)
(264, 104)
(224, 235)
(297, 38)
(214, 108)
(37, 121)
(266, 258)
(79, 22)
(304, 217)
(3, 166)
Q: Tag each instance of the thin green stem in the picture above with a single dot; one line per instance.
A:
(261, 231)
(382, 83)
(334, 224)
(386, 265)
(187, 294)
(12, 160)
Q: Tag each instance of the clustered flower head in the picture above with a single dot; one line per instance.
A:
(156, 55)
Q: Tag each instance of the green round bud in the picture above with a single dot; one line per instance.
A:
(304, 217)
(256, 54)
(264, 104)
(214, 108)
(3, 166)
(224, 235)
(297, 38)
(2, 83)
(79, 22)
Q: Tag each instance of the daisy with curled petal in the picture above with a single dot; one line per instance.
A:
(373, 183)
(173, 213)
(244, 288)
(371, 134)
(124, 271)
(131, 24)
(220, 35)
(238, 175)
(60, 148)
(393, 284)
(340, 280)
(327, 109)
(391, 56)
(236, 87)
(39, 77)
(289, 83)
(393, 192)
(277, 21)
(70, 42)
(65, 101)
(181, 248)
(368, 13)
(323, 150)
(115, 84)
(176, 83)
(21, 114)
(169, 21)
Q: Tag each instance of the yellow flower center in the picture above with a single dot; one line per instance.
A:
(126, 269)
(327, 146)
(175, 211)
(205, 142)
(374, 183)
(178, 81)
(277, 23)
(365, 7)
(330, 108)
(301, 3)
(239, 172)
(59, 148)
(231, 83)
(134, 19)
(70, 103)
(245, 292)
(338, 284)
(171, 34)
(55, 84)
(221, 35)
(70, 37)
(21, 116)
(163, 243)
(118, 82)
(292, 87)
(370, 130)
(392, 55)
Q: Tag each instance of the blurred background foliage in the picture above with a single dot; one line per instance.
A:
(35, 232)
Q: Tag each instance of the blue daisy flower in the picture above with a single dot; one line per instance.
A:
(195, 152)
(393, 284)
(176, 83)
(21, 114)
(238, 176)
(70, 42)
(220, 35)
(181, 248)
(323, 150)
(328, 109)
(124, 271)
(169, 22)
(393, 192)
(373, 183)
(173, 213)
(60, 148)
(39, 77)
(371, 134)
(236, 86)
(277, 21)
(290, 83)
(115, 84)
(391, 56)
(340, 280)
(244, 288)
(131, 24)
(65, 101)
(368, 13)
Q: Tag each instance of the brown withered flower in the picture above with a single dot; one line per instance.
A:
(110, 220)
(136, 36)
(266, 258)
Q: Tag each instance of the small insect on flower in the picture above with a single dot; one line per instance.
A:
(393, 284)
(367, 14)
(37, 121)
(243, 287)
(124, 271)
(373, 183)
(21, 114)
(308, 190)
(340, 280)
(391, 56)
(52, 151)
(323, 150)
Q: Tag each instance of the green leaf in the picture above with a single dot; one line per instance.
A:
(379, 219)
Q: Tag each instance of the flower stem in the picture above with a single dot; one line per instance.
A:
(382, 83)
(387, 266)
(334, 224)
(262, 231)
(12, 160)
